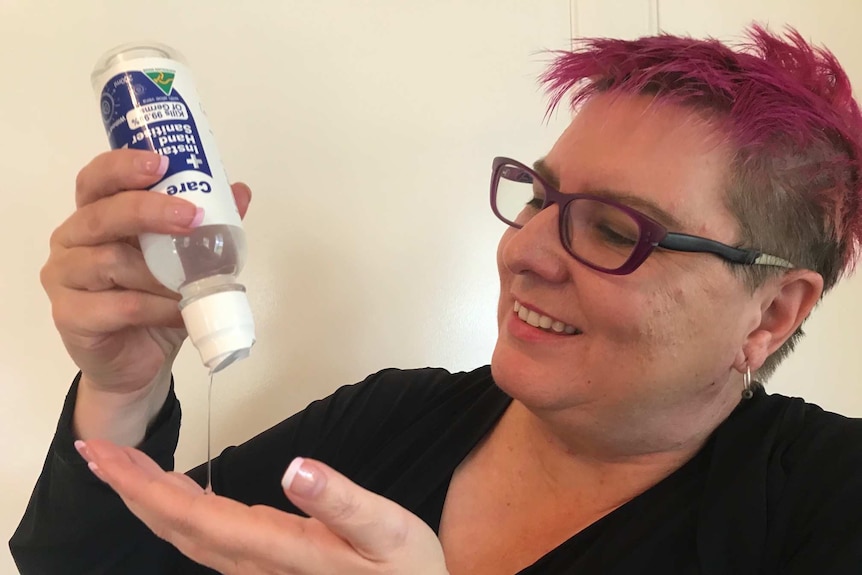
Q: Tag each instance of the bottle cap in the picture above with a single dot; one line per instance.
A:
(221, 326)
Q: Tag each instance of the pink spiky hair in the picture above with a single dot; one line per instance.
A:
(768, 89)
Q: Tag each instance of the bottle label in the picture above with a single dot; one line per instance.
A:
(152, 104)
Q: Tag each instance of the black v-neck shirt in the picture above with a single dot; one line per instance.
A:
(777, 489)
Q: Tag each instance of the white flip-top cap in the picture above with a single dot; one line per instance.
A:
(221, 326)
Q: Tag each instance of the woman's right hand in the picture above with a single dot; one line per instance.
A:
(119, 325)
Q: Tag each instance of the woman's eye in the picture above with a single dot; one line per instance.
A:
(612, 236)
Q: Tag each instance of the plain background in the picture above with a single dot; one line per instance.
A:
(366, 130)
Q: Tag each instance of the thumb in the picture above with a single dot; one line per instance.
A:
(242, 197)
(378, 529)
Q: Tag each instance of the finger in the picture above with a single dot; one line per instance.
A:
(116, 171)
(127, 214)
(212, 530)
(105, 449)
(97, 313)
(377, 528)
(108, 266)
(152, 469)
(242, 197)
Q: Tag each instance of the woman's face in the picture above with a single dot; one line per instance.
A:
(656, 347)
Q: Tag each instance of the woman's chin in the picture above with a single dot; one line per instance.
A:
(522, 378)
(535, 383)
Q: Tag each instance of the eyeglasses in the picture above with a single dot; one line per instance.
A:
(599, 232)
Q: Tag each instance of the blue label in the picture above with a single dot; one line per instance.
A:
(142, 110)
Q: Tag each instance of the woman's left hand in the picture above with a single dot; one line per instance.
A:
(351, 530)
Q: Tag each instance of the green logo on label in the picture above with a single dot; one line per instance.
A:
(164, 79)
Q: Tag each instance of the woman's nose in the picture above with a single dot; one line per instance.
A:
(536, 248)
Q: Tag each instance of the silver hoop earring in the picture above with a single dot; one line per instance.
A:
(747, 393)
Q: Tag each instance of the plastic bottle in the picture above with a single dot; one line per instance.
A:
(149, 101)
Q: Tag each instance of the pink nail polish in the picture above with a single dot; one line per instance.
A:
(199, 218)
(81, 448)
(291, 472)
(163, 165)
(303, 478)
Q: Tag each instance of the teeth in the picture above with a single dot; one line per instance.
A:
(536, 319)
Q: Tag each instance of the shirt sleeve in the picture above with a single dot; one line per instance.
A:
(74, 523)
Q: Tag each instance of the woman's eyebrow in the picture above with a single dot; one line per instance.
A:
(645, 205)
(543, 170)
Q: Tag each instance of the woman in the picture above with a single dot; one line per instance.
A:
(669, 246)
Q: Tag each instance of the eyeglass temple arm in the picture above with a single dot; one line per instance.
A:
(687, 243)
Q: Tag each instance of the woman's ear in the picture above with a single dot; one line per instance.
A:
(786, 302)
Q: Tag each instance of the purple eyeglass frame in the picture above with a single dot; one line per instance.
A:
(651, 233)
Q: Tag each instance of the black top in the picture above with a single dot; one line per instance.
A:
(776, 489)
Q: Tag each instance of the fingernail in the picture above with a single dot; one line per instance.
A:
(81, 447)
(155, 164)
(185, 214)
(303, 478)
(199, 218)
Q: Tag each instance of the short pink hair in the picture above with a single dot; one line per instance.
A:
(773, 93)
(787, 108)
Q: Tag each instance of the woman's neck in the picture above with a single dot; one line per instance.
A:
(572, 461)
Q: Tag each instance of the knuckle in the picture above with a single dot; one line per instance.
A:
(93, 221)
(46, 274)
(130, 306)
(61, 314)
(264, 514)
(84, 179)
(54, 237)
(106, 157)
(110, 260)
(345, 507)
(397, 530)
(81, 181)
(50, 278)
(111, 256)
(128, 212)
(59, 317)
(99, 175)
(138, 205)
(57, 235)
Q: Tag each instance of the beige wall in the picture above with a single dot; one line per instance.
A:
(366, 130)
